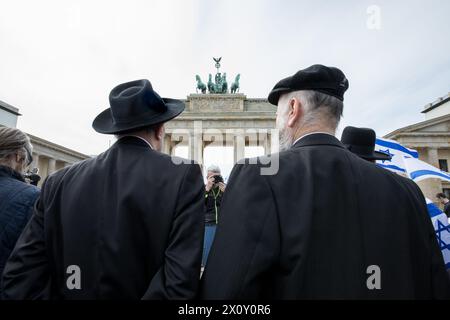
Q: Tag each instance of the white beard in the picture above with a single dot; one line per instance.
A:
(285, 135)
(286, 139)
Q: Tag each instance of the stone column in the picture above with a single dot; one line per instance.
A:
(267, 144)
(196, 148)
(433, 157)
(430, 187)
(167, 144)
(51, 166)
(35, 163)
(239, 145)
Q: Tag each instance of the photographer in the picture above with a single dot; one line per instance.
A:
(16, 196)
(214, 189)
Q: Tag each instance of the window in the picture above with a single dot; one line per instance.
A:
(443, 165)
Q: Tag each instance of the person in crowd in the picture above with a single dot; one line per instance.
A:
(127, 224)
(327, 224)
(361, 141)
(214, 189)
(443, 199)
(16, 196)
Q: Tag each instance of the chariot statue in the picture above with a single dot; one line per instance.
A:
(220, 84)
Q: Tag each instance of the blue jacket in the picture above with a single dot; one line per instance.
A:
(17, 199)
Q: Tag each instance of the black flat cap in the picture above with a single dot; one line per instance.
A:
(327, 80)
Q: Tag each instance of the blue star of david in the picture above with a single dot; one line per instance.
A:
(442, 228)
(388, 153)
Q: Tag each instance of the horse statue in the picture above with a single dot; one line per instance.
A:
(200, 85)
(235, 84)
(224, 83)
(210, 84)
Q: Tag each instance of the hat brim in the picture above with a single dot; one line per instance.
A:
(104, 123)
(275, 95)
(376, 155)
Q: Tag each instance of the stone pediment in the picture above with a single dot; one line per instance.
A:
(436, 126)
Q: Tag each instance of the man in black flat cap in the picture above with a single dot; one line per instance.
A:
(328, 224)
(127, 224)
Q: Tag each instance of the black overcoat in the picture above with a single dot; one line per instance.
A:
(130, 220)
(327, 225)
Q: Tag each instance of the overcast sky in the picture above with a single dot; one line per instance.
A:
(60, 59)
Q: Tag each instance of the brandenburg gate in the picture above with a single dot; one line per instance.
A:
(222, 118)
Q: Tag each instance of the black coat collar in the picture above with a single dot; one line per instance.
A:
(10, 173)
(316, 139)
(132, 140)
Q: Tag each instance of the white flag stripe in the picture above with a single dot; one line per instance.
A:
(419, 170)
(397, 151)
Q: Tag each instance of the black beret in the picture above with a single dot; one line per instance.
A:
(328, 80)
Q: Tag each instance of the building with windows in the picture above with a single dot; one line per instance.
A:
(431, 138)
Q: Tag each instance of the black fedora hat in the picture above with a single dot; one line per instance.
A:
(361, 141)
(135, 105)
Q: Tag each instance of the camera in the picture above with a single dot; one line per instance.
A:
(33, 176)
(218, 179)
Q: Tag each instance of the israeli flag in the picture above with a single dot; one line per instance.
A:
(442, 229)
(397, 151)
(418, 170)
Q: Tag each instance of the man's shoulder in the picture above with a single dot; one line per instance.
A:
(171, 164)
(151, 160)
(384, 179)
(74, 170)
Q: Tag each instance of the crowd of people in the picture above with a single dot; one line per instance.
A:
(135, 223)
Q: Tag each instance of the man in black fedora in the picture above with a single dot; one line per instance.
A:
(361, 141)
(327, 224)
(127, 224)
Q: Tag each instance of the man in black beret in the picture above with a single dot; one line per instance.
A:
(327, 224)
(127, 224)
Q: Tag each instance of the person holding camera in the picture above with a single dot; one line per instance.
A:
(16, 196)
(214, 189)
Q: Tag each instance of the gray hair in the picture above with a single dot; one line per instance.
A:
(13, 140)
(320, 106)
(214, 168)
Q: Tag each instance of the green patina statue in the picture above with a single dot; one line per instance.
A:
(200, 85)
(220, 84)
(235, 84)
(224, 83)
